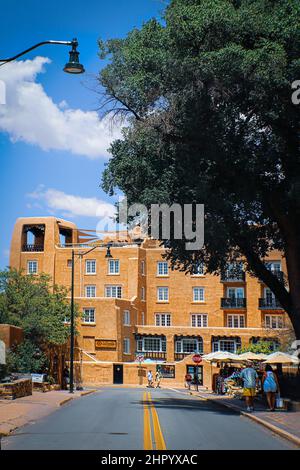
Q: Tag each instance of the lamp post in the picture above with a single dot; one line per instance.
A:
(72, 322)
(72, 66)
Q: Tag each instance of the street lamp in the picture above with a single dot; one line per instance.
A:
(73, 66)
(72, 322)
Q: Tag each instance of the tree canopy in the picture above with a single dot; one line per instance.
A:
(40, 309)
(206, 97)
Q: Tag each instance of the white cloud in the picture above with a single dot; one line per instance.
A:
(70, 205)
(31, 116)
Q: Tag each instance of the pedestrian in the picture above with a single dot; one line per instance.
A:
(158, 378)
(188, 380)
(66, 378)
(150, 379)
(250, 379)
(270, 386)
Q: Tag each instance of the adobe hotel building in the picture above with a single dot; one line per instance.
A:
(133, 303)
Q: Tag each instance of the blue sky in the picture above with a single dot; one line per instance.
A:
(52, 147)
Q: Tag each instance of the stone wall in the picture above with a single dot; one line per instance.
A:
(17, 389)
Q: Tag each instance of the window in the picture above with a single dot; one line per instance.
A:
(162, 319)
(113, 291)
(69, 263)
(126, 346)
(199, 320)
(113, 266)
(198, 294)
(143, 268)
(269, 297)
(152, 344)
(90, 266)
(143, 293)
(274, 321)
(126, 318)
(90, 291)
(32, 267)
(273, 265)
(162, 268)
(236, 321)
(88, 315)
(163, 294)
(228, 345)
(198, 269)
(189, 345)
(235, 293)
(143, 318)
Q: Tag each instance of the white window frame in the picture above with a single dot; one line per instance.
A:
(273, 265)
(239, 292)
(126, 346)
(199, 320)
(161, 344)
(89, 315)
(201, 295)
(88, 264)
(274, 322)
(143, 271)
(113, 291)
(162, 269)
(162, 294)
(181, 346)
(126, 318)
(143, 293)
(30, 264)
(88, 290)
(163, 319)
(198, 269)
(220, 345)
(236, 321)
(113, 267)
(143, 318)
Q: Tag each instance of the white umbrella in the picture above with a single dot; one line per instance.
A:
(222, 356)
(281, 358)
(251, 356)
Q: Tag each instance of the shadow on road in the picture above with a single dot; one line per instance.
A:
(189, 404)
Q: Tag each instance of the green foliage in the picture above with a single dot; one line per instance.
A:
(261, 347)
(206, 94)
(34, 304)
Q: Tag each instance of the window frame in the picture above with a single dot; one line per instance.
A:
(29, 263)
(200, 289)
(113, 262)
(164, 289)
(111, 287)
(199, 316)
(89, 309)
(88, 262)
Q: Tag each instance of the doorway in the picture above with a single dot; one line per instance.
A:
(193, 371)
(118, 374)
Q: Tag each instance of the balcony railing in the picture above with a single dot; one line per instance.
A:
(269, 304)
(278, 274)
(33, 247)
(181, 356)
(160, 356)
(233, 277)
(233, 302)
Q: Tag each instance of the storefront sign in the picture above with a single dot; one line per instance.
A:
(107, 344)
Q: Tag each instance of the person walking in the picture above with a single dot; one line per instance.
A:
(270, 386)
(188, 380)
(150, 379)
(250, 379)
(158, 378)
(66, 378)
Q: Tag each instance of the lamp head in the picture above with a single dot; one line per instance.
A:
(74, 66)
(108, 253)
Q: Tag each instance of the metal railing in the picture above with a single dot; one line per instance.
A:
(265, 303)
(162, 356)
(34, 247)
(233, 277)
(233, 302)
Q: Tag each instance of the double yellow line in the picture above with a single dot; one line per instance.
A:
(153, 436)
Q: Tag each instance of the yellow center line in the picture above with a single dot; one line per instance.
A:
(158, 441)
(147, 425)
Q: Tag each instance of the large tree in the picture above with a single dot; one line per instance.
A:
(206, 98)
(40, 309)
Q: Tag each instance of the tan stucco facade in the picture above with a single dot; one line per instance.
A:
(101, 341)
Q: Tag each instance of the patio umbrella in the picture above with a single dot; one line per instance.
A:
(222, 356)
(281, 358)
(250, 356)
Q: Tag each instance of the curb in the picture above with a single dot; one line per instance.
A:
(66, 400)
(88, 392)
(281, 432)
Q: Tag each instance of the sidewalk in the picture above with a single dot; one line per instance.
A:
(284, 423)
(17, 413)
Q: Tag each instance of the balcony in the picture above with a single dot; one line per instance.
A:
(234, 302)
(233, 276)
(33, 248)
(269, 304)
(156, 355)
(278, 274)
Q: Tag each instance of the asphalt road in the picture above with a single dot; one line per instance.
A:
(125, 419)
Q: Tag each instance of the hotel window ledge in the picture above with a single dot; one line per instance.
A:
(32, 248)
